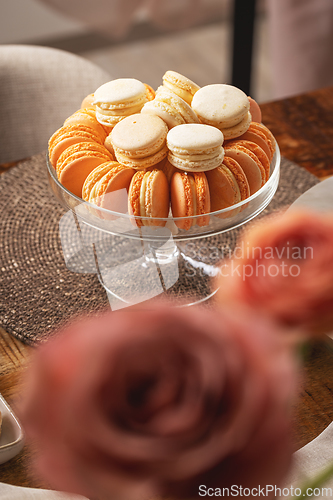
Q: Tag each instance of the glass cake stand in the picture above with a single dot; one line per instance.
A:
(137, 263)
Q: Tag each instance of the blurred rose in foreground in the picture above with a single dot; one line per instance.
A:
(283, 266)
(136, 404)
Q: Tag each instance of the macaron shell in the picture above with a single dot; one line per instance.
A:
(142, 163)
(94, 177)
(68, 136)
(167, 168)
(88, 149)
(171, 108)
(108, 144)
(190, 197)
(150, 92)
(76, 162)
(164, 111)
(88, 101)
(239, 175)
(249, 166)
(181, 200)
(258, 151)
(220, 105)
(156, 198)
(150, 188)
(254, 110)
(180, 85)
(224, 190)
(65, 143)
(237, 130)
(258, 138)
(113, 190)
(139, 135)
(202, 165)
(195, 147)
(87, 116)
(260, 127)
(73, 175)
(120, 93)
(203, 198)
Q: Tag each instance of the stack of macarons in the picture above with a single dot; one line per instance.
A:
(189, 149)
(171, 108)
(119, 98)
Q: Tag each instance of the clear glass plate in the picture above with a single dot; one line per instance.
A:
(136, 262)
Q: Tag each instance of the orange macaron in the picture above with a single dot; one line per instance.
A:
(258, 138)
(88, 101)
(190, 197)
(228, 185)
(67, 136)
(87, 116)
(107, 186)
(77, 161)
(255, 110)
(250, 164)
(266, 134)
(148, 196)
(257, 150)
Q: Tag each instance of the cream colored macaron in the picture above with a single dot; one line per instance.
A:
(223, 106)
(139, 140)
(195, 147)
(119, 98)
(171, 108)
(180, 85)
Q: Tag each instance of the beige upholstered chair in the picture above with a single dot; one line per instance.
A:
(39, 88)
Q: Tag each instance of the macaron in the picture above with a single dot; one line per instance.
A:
(195, 147)
(239, 175)
(252, 167)
(254, 110)
(257, 150)
(190, 197)
(119, 98)
(171, 108)
(77, 161)
(150, 92)
(180, 85)
(167, 168)
(67, 136)
(227, 187)
(88, 101)
(148, 196)
(87, 116)
(259, 138)
(223, 106)
(107, 186)
(260, 127)
(139, 141)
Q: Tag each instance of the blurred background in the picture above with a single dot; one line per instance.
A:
(145, 50)
(292, 39)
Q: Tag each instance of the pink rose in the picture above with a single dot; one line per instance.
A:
(283, 266)
(131, 405)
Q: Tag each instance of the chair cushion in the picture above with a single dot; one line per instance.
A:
(40, 88)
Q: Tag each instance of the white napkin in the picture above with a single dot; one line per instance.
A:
(10, 492)
(310, 460)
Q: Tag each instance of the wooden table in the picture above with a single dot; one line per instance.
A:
(303, 127)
